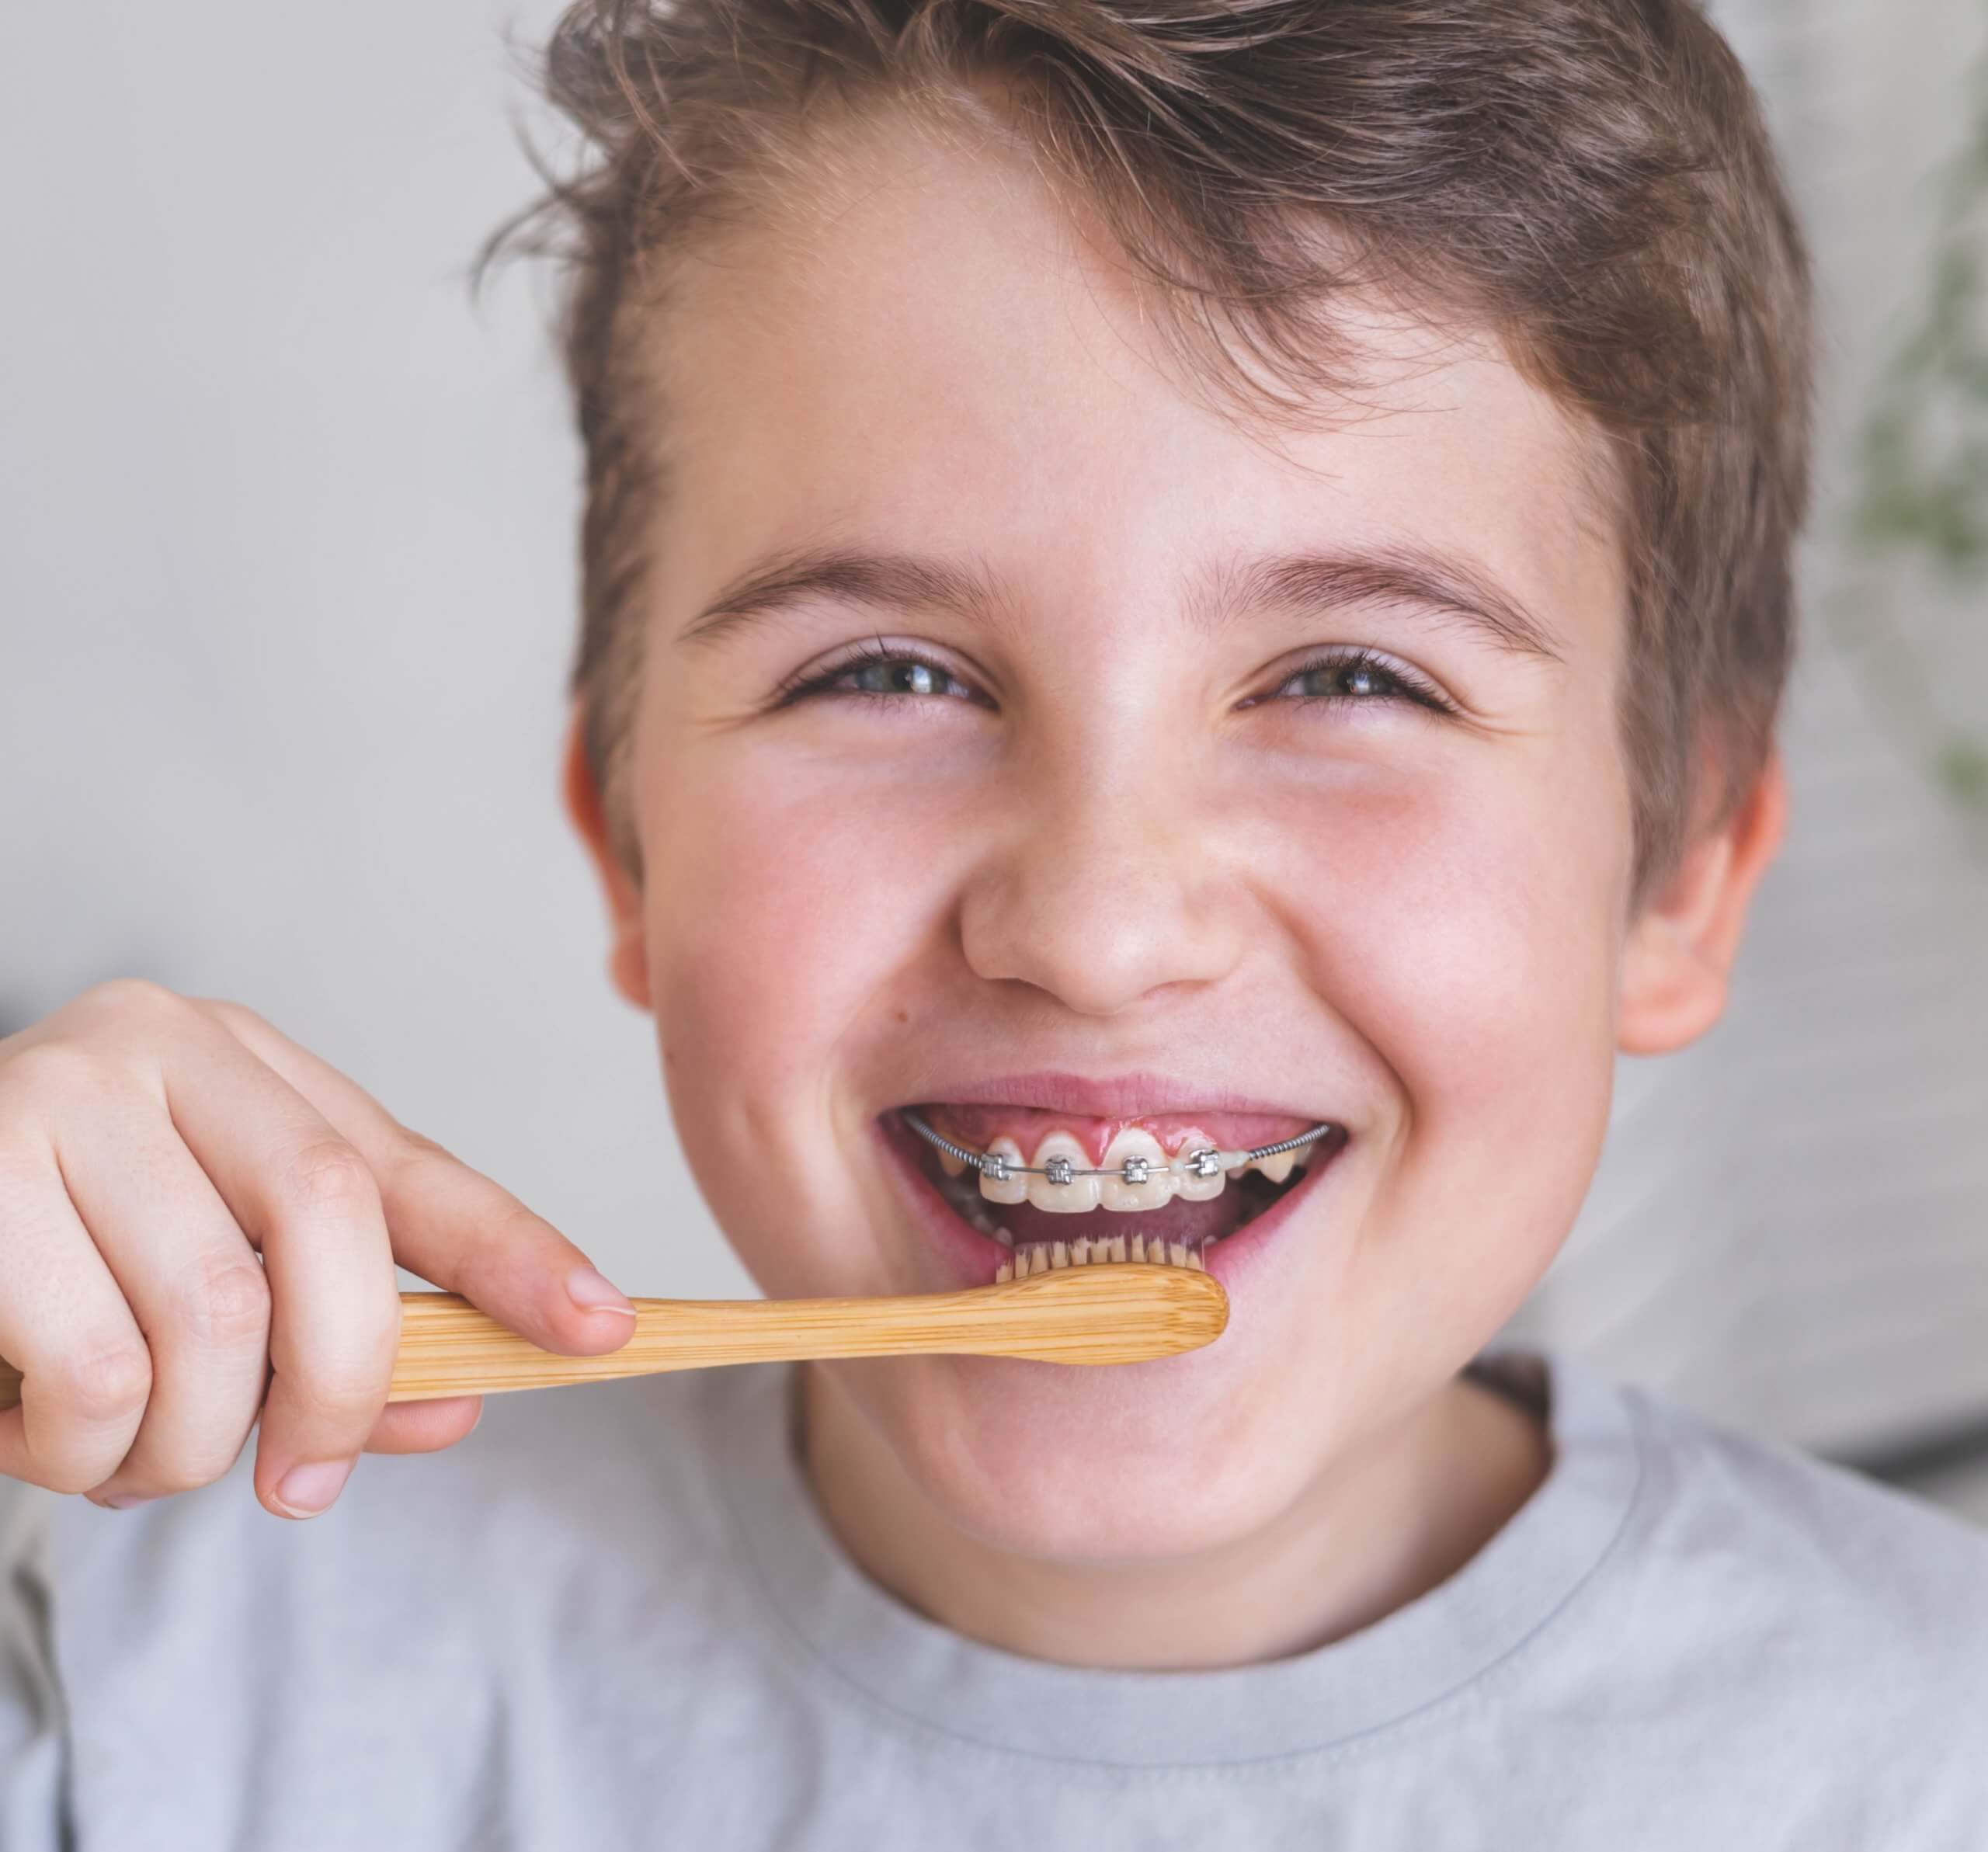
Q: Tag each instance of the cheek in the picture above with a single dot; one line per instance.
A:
(775, 919)
(1469, 935)
(736, 897)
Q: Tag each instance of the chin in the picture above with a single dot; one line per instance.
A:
(1153, 1463)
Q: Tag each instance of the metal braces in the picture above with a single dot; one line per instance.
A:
(1203, 1162)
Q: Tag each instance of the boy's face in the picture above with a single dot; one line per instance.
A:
(1160, 831)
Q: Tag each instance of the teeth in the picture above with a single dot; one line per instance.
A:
(978, 1218)
(1197, 1189)
(952, 1166)
(1079, 1194)
(1015, 1189)
(1114, 1193)
(1165, 1177)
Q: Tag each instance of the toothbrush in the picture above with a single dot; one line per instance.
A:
(1117, 1313)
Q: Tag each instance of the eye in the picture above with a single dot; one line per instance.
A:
(1350, 677)
(877, 670)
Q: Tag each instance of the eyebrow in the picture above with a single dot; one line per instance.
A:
(1404, 575)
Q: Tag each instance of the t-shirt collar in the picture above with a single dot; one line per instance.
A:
(880, 1651)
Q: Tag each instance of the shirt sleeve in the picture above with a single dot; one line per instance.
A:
(33, 1815)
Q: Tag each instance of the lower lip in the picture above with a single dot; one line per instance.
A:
(972, 1257)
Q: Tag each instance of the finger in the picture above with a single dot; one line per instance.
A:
(425, 1427)
(86, 1372)
(306, 1197)
(192, 1282)
(451, 1225)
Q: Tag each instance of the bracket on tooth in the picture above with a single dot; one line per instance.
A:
(1204, 1162)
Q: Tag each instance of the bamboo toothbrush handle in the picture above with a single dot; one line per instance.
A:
(1115, 1314)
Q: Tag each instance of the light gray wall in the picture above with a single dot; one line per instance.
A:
(286, 530)
(286, 591)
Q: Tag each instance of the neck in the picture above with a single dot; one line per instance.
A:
(1379, 1529)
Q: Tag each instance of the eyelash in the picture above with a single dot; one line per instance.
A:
(872, 654)
(1340, 661)
(1346, 659)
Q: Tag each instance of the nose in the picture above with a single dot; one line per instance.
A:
(1101, 886)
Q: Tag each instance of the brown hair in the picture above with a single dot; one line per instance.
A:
(1590, 179)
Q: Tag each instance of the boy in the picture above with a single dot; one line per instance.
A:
(1152, 575)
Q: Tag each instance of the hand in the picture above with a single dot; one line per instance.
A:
(151, 1145)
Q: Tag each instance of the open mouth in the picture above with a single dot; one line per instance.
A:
(1159, 1206)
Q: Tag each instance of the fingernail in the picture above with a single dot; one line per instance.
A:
(123, 1501)
(591, 1293)
(305, 1491)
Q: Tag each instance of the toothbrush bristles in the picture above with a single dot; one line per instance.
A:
(1041, 1256)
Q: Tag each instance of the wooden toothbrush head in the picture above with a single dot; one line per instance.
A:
(1120, 1312)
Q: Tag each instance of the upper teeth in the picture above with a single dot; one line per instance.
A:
(1076, 1194)
(1138, 1175)
(1144, 1181)
(1277, 1167)
(1200, 1174)
(1004, 1187)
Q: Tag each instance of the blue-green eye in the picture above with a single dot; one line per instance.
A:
(884, 672)
(890, 674)
(902, 675)
(1349, 676)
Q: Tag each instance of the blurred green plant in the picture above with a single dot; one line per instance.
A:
(1923, 462)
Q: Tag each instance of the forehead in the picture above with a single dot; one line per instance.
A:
(919, 338)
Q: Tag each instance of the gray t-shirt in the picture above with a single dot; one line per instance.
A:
(612, 1618)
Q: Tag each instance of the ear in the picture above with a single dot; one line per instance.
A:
(628, 956)
(1679, 957)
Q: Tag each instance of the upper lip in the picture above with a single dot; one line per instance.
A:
(1111, 1096)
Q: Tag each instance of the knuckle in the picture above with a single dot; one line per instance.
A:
(420, 1167)
(106, 1384)
(418, 1159)
(53, 1070)
(137, 999)
(227, 1301)
(418, 1150)
(239, 1018)
(345, 1394)
(330, 1175)
(353, 1382)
